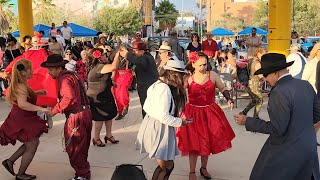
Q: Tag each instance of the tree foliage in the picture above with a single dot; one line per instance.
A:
(228, 21)
(260, 15)
(121, 21)
(6, 16)
(44, 11)
(305, 16)
(166, 14)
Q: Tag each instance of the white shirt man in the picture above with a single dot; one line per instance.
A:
(66, 31)
(297, 67)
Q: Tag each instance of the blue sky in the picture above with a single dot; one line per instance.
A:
(188, 5)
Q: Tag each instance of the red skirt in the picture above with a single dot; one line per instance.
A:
(23, 126)
(210, 131)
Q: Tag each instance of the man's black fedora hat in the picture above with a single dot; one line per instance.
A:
(272, 62)
(54, 60)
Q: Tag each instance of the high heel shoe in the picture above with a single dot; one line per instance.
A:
(23, 177)
(98, 143)
(202, 174)
(9, 166)
(111, 139)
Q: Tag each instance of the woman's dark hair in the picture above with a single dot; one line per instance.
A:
(26, 37)
(200, 54)
(233, 51)
(42, 32)
(54, 38)
(12, 40)
(175, 82)
(195, 35)
(128, 171)
(92, 62)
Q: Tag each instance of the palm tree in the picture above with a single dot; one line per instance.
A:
(5, 16)
(167, 14)
(44, 11)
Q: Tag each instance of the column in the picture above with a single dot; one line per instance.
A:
(25, 18)
(280, 13)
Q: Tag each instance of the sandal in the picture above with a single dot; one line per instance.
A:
(98, 143)
(9, 166)
(111, 139)
(202, 174)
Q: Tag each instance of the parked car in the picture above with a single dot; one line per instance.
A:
(307, 42)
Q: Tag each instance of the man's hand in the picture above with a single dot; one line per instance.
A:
(240, 119)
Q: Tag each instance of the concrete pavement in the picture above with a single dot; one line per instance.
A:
(51, 163)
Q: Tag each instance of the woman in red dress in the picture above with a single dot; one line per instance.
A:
(210, 132)
(22, 123)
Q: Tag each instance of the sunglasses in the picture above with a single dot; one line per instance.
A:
(68, 54)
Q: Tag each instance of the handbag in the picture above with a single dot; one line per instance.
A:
(128, 171)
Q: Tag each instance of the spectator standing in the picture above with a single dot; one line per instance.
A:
(53, 30)
(55, 46)
(195, 45)
(300, 61)
(175, 46)
(310, 70)
(67, 33)
(211, 49)
(253, 42)
(60, 39)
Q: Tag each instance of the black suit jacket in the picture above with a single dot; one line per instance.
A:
(290, 152)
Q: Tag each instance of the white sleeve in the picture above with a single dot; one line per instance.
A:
(159, 107)
(295, 69)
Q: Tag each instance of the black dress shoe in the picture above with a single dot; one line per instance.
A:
(31, 176)
(9, 166)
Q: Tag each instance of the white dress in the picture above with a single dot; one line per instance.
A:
(157, 135)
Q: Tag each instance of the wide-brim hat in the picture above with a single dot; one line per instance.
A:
(139, 45)
(174, 65)
(54, 60)
(272, 62)
(164, 48)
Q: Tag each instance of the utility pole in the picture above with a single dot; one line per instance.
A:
(182, 17)
(200, 21)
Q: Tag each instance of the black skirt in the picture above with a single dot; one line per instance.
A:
(105, 105)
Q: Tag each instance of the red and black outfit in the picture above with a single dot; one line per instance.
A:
(123, 78)
(77, 130)
(81, 70)
(209, 48)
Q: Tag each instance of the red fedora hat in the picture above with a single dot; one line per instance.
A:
(139, 45)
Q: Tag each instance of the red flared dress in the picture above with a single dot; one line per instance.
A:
(210, 131)
(22, 125)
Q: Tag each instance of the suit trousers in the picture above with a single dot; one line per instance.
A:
(142, 92)
(78, 127)
(123, 79)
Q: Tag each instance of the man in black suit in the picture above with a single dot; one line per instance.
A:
(290, 152)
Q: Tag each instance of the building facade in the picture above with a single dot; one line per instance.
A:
(238, 8)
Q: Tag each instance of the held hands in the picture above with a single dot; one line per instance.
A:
(123, 53)
(185, 121)
(240, 119)
(46, 111)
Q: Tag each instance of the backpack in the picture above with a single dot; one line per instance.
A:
(243, 72)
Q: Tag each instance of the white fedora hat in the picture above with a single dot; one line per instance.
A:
(164, 48)
(174, 65)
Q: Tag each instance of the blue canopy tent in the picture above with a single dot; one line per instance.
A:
(249, 29)
(222, 32)
(38, 27)
(80, 31)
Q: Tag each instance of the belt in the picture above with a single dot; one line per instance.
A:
(200, 106)
(78, 111)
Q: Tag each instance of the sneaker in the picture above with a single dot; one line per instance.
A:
(78, 178)
(119, 117)
(125, 112)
